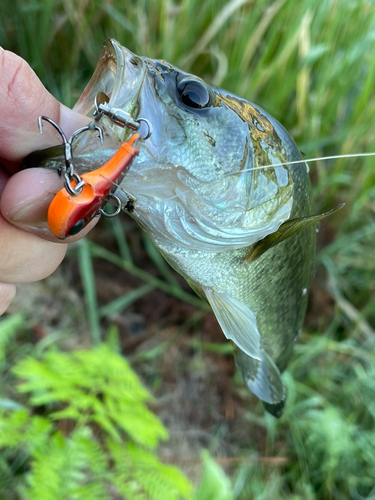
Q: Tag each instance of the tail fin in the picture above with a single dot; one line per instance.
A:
(275, 410)
(263, 379)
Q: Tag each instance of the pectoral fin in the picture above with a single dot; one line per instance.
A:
(263, 379)
(286, 230)
(236, 320)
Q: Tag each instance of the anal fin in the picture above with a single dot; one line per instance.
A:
(236, 320)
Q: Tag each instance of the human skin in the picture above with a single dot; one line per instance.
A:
(28, 250)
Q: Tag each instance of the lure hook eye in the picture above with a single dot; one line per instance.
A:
(149, 132)
(118, 208)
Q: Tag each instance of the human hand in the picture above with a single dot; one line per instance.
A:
(28, 250)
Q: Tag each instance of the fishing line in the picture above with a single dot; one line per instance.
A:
(335, 157)
(264, 167)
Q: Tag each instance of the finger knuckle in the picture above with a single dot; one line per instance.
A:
(12, 69)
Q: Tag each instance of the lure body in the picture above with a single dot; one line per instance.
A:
(68, 214)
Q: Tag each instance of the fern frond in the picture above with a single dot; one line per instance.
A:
(71, 468)
(85, 388)
(155, 479)
(137, 421)
(95, 386)
(16, 426)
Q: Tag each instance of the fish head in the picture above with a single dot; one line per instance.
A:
(199, 178)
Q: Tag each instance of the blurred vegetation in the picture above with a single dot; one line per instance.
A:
(312, 66)
(55, 455)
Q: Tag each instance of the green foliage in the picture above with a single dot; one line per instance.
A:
(95, 387)
(90, 442)
(312, 66)
(74, 467)
(140, 475)
(214, 483)
(88, 282)
(8, 330)
(330, 424)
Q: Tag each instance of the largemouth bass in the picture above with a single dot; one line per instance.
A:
(210, 189)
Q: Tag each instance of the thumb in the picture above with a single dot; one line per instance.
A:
(24, 100)
(25, 197)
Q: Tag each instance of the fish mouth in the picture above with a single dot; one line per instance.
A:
(120, 75)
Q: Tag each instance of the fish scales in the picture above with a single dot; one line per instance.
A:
(243, 236)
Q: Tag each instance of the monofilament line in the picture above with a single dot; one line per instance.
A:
(295, 162)
(335, 157)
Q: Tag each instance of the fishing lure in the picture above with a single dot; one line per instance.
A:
(83, 197)
(76, 205)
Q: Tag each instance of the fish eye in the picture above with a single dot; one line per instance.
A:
(193, 94)
(78, 226)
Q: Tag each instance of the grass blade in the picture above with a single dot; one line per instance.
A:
(124, 301)
(88, 281)
(121, 239)
(98, 251)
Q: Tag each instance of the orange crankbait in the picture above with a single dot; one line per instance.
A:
(70, 212)
(82, 197)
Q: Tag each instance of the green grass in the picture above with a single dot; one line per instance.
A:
(312, 66)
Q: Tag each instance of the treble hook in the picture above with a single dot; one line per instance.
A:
(68, 152)
(67, 146)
